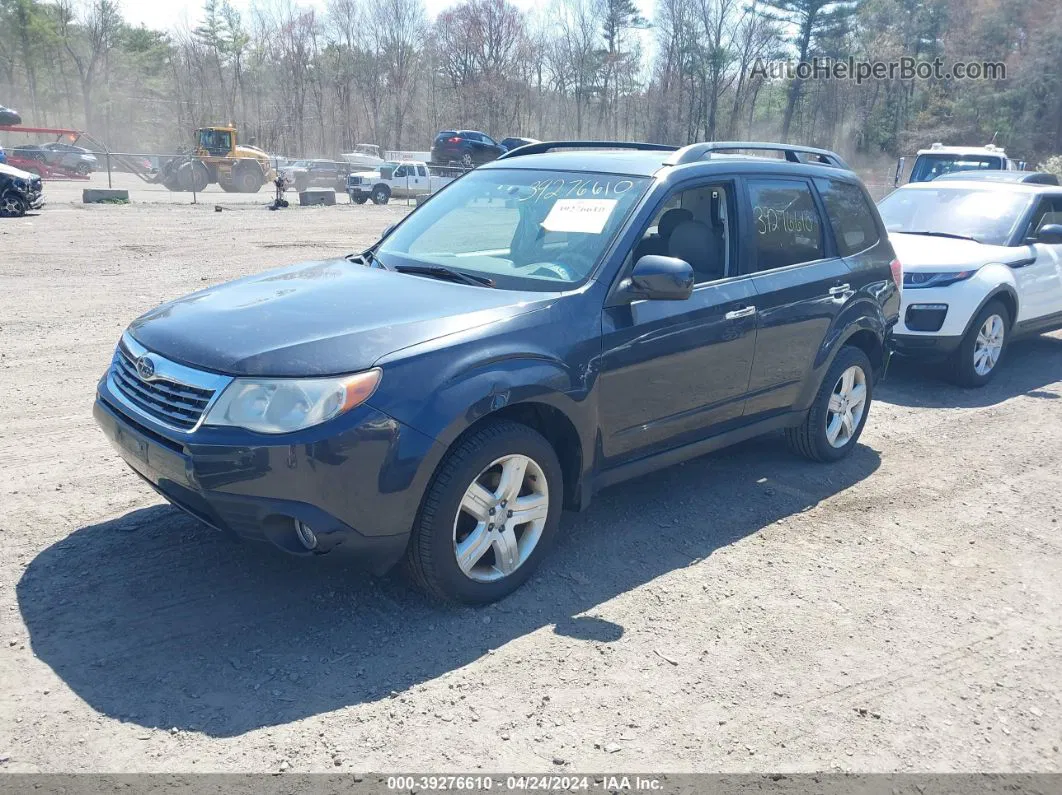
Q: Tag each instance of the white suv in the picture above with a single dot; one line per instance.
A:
(982, 266)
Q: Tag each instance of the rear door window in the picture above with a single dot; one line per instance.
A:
(851, 217)
(786, 222)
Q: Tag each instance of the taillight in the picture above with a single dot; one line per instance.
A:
(454, 140)
(897, 273)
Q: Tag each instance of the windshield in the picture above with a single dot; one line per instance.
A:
(929, 167)
(526, 230)
(987, 216)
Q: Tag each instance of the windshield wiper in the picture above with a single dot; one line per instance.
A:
(941, 234)
(442, 272)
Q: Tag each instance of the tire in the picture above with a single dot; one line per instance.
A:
(817, 438)
(381, 194)
(979, 354)
(467, 161)
(193, 176)
(248, 179)
(359, 199)
(12, 205)
(84, 169)
(481, 458)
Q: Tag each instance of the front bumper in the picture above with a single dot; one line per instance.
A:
(357, 487)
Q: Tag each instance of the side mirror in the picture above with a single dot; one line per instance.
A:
(388, 231)
(658, 278)
(1051, 234)
(899, 172)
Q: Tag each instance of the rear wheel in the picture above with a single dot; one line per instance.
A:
(467, 161)
(835, 421)
(359, 199)
(981, 350)
(489, 515)
(248, 179)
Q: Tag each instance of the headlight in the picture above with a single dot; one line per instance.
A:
(919, 279)
(283, 405)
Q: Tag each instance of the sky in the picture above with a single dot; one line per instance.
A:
(169, 14)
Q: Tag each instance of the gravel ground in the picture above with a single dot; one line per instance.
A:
(743, 612)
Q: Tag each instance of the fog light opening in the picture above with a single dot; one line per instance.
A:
(306, 535)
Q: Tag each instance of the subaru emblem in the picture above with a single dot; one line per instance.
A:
(145, 368)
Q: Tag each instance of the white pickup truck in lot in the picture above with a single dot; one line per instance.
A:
(403, 180)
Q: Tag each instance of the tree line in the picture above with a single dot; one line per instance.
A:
(309, 82)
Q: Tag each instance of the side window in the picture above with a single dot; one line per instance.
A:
(421, 171)
(400, 171)
(695, 225)
(1048, 211)
(851, 218)
(786, 222)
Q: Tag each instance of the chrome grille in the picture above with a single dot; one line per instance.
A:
(167, 396)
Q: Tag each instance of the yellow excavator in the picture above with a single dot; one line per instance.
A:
(217, 157)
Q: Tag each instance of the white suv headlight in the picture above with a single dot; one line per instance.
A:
(283, 405)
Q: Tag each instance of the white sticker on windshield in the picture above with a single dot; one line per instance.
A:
(588, 216)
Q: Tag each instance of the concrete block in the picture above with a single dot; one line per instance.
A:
(99, 195)
(325, 196)
(422, 197)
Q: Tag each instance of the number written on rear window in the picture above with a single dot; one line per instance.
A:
(786, 221)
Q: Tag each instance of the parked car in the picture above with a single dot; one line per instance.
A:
(516, 143)
(20, 192)
(468, 147)
(9, 116)
(303, 174)
(396, 180)
(982, 267)
(1034, 177)
(545, 326)
(73, 158)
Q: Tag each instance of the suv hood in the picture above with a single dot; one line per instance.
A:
(17, 173)
(319, 318)
(928, 253)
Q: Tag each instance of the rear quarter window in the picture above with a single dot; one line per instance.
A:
(851, 217)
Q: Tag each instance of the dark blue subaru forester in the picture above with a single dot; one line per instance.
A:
(566, 317)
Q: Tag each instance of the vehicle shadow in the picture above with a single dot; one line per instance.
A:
(1028, 366)
(157, 620)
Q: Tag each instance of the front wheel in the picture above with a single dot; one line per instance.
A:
(981, 350)
(12, 205)
(489, 515)
(381, 194)
(835, 421)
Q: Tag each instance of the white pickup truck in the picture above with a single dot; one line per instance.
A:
(403, 180)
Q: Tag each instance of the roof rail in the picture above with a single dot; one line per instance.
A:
(549, 146)
(792, 152)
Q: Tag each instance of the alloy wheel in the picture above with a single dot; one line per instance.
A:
(848, 403)
(989, 344)
(501, 518)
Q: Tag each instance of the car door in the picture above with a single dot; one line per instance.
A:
(1039, 279)
(675, 371)
(801, 286)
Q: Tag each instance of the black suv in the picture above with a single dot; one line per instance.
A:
(20, 192)
(564, 318)
(468, 147)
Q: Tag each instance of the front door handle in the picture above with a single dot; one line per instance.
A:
(840, 289)
(747, 311)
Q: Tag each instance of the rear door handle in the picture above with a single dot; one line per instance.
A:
(747, 311)
(840, 289)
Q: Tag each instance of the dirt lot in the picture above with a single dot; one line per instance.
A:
(746, 611)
